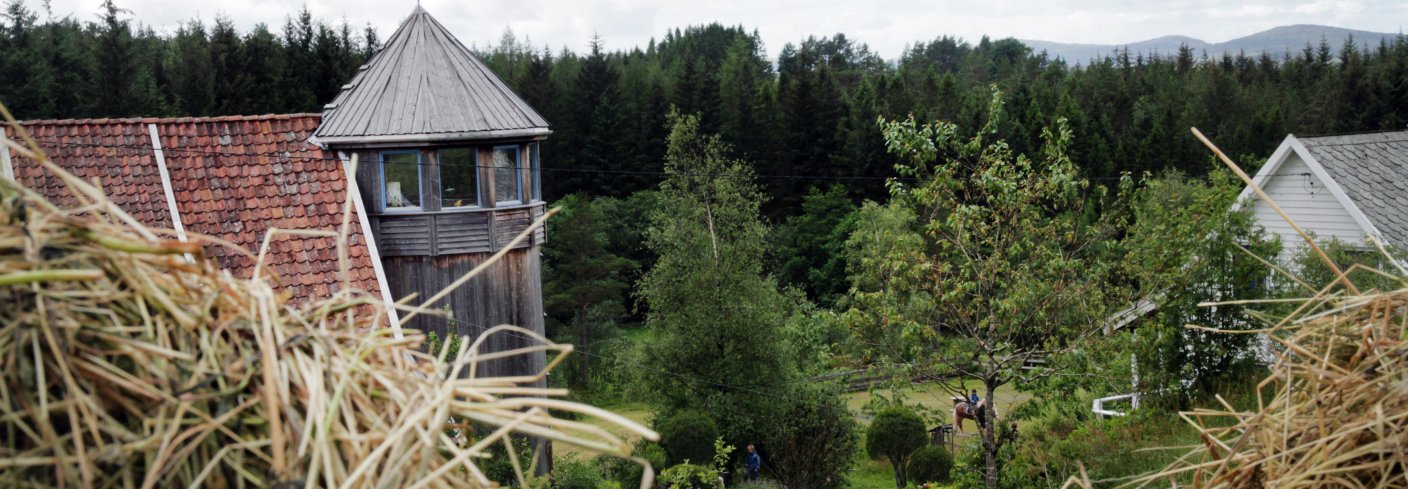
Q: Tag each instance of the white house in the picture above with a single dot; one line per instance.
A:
(1344, 187)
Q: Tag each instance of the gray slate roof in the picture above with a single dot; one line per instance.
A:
(424, 85)
(1373, 170)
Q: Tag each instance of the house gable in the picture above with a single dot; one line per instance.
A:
(1308, 194)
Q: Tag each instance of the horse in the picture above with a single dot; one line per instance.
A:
(961, 411)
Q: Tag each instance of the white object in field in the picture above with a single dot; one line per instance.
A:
(1098, 406)
(394, 198)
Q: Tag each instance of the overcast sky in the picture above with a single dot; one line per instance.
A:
(886, 26)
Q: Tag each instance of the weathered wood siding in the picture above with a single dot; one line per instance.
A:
(454, 232)
(1305, 198)
(508, 292)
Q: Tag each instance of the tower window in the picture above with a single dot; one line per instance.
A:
(459, 177)
(508, 187)
(400, 179)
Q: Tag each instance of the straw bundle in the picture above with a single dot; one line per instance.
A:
(1339, 415)
(130, 361)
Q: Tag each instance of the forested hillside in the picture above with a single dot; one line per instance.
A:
(807, 118)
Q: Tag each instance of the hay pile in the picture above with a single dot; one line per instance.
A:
(128, 360)
(1339, 415)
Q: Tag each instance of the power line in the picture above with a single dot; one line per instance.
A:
(289, 155)
(550, 169)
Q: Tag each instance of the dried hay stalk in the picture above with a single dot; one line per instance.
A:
(1339, 417)
(131, 361)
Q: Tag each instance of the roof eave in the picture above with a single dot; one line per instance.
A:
(434, 138)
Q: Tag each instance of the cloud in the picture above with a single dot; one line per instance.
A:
(887, 26)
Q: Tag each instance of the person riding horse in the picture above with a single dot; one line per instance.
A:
(972, 407)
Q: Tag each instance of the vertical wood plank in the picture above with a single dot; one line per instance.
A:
(430, 180)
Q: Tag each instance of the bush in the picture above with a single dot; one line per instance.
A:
(690, 476)
(757, 485)
(816, 440)
(628, 473)
(577, 475)
(931, 464)
(688, 436)
(895, 434)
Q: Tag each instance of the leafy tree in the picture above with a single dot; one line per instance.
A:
(713, 314)
(887, 305)
(1183, 249)
(895, 434)
(1016, 267)
(816, 439)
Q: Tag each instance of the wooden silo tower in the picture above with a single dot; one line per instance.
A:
(448, 175)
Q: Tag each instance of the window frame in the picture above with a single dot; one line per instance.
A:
(517, 174)
(537, 169)
(420, 182)
(474, 170)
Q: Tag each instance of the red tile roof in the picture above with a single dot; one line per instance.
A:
(233, 178)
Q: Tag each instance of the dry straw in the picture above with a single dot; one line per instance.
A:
(1339, 415)
(131, 361)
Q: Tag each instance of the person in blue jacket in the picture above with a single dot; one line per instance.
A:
(753, 463)
(973, 398)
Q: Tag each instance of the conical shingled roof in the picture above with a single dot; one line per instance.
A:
(424, 85)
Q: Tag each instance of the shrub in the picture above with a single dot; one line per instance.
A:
(577, 475)
(628, 473)
(757, 485)
(690, 476)
(816, 440)
(688, 436)
(895, 434)
(931, 464)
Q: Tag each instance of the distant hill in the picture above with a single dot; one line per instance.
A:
(1277, 41)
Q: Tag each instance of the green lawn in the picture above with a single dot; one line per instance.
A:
(936, 398)
(639, 413)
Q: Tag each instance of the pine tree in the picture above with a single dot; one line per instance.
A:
(115, 77)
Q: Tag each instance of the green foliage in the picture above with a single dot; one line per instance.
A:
(577, 475)
(1017, 267)
(434, 346)
(690, 476)
(627, 473)
(760, 484)
(815, 441)
(887, 306)
(931, 463)
(1184, 248)
(714, 316)
(894, 435)
(1311, 269)
(498, 468)
(688, 437)
(810, 245)
(585, 291)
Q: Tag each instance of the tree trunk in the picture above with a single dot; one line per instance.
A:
(583, 343)
(989, 440)
(900, 475)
